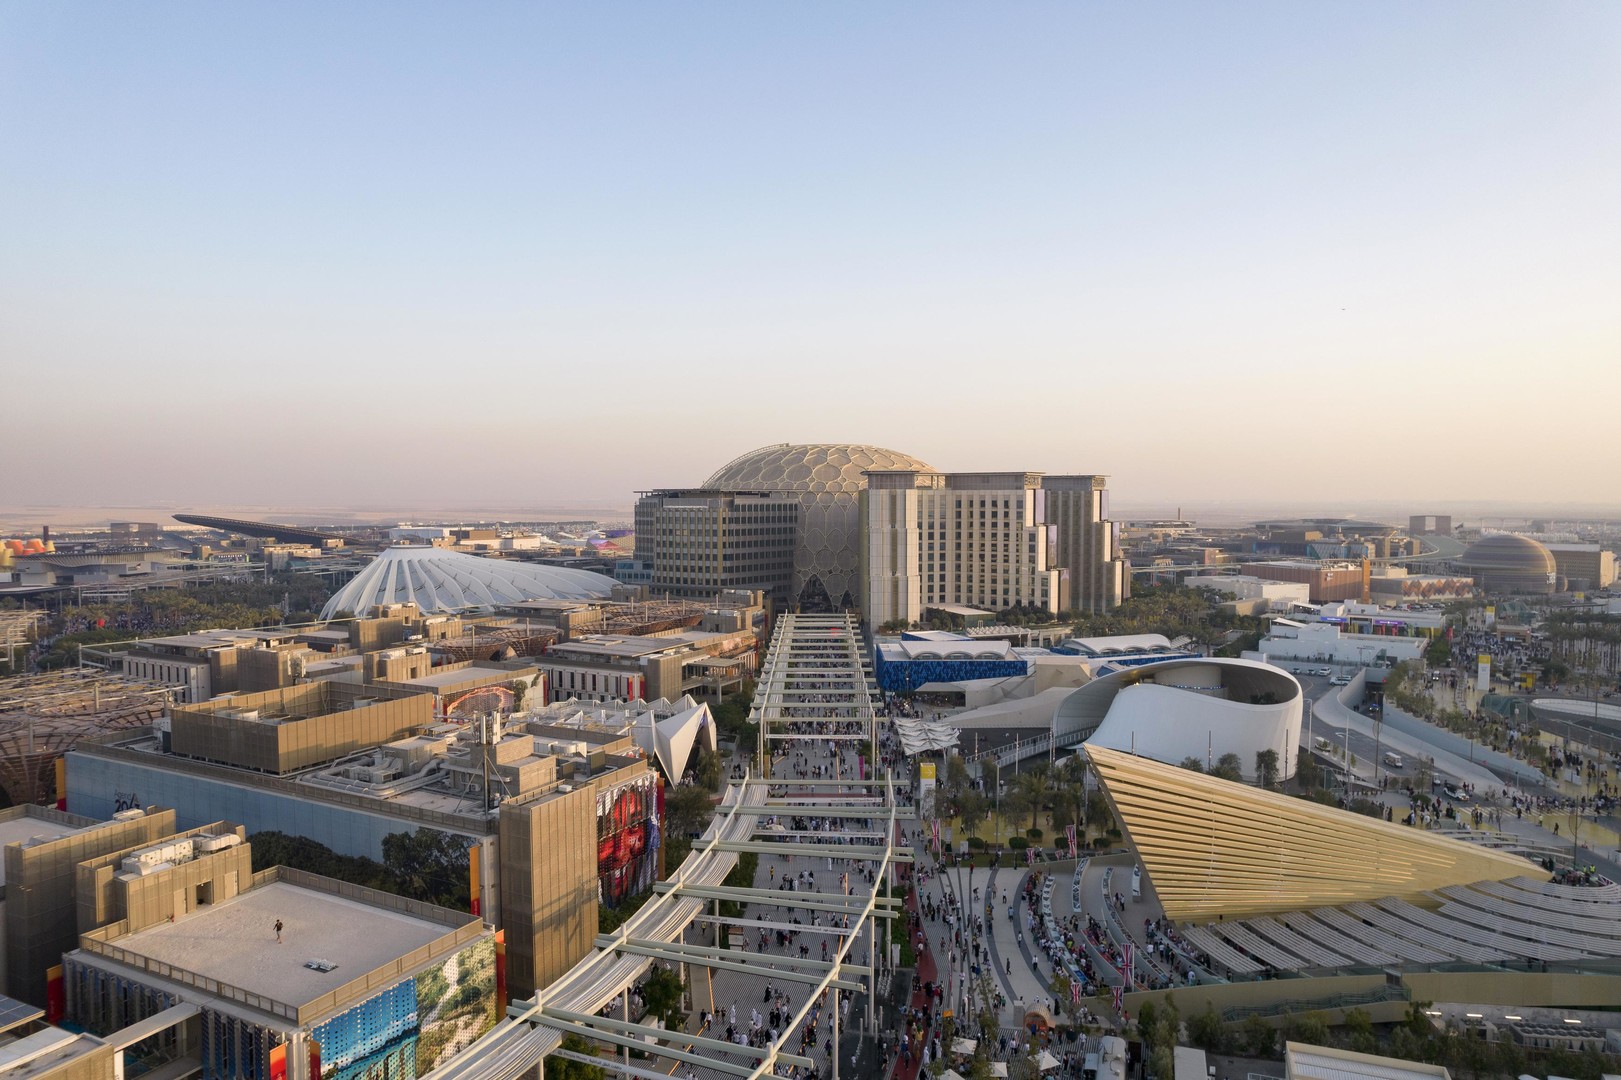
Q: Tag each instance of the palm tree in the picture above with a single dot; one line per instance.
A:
(1036, 789)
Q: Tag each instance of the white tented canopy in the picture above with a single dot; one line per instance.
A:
(922, 736)
(437, 580)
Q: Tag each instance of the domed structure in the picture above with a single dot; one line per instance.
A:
(1505, 563)
(437, 580)
(826, 479)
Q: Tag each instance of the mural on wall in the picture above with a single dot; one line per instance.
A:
(627, 839)
(456, 1003)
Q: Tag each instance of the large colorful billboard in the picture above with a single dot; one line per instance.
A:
(627, 839)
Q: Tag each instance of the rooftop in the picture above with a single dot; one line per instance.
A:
(234, 942)
(20, 830)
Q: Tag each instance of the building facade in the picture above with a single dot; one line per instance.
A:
(992, 541)
(697, 543)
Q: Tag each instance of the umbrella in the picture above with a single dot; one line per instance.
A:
(963, 1046)
(998, 1068)
(951, 1074)
(1046, 1061)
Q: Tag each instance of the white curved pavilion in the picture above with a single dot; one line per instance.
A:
(1200, 708)
(437, 580)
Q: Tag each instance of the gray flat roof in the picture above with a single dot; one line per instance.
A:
(235, 941)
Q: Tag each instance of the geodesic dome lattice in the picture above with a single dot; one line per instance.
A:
(827, 480)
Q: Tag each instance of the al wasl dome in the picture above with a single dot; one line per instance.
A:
(1506, 563)
(827, 480)
(437, 580)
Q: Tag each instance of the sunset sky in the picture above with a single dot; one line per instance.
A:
(519, 254)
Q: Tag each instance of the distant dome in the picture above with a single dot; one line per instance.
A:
(438, 580)
(1506, 563)
(826, 479)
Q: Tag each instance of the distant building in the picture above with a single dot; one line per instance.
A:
(989, 541)
(1326, 580)
(1584, 566)
(1504, 563)
(1278, 595)
(1289, 639)
(697, 543)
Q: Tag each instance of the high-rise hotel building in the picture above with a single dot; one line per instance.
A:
(986, 540)
(836, 526)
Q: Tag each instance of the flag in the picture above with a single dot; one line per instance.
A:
(1119, 995)
(1074, 848)
(1130, 979)
(1075, 991)
(1030, 856)
(935, 829)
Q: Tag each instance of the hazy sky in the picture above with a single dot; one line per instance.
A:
(511, 254)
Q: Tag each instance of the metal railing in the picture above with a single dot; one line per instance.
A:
(1386, 992)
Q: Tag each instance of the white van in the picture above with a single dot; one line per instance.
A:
(1393, 760)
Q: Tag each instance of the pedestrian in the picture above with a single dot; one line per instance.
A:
(278, 931)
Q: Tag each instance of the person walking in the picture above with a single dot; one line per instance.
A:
(278, 931)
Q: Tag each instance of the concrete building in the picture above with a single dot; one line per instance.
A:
(617, 667)
(989, 541)
(1585, 567)
(42, 850)
(260, 976)
(1326, 642)
(698, 543)
(1326, 580)
(1429, 525)
(283, 731)
(532, 813)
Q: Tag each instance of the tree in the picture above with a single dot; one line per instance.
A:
(1037, 787)
(1260, 1038)
(1359, 1025)
(1099, 814)
(1307, 774)
(661, 994)
(972, 809)
(1192, 764)
(1207, 1032)
(1266, 767)
(687, 809)
(561, 1068)
(1229, 767)
(706, 770)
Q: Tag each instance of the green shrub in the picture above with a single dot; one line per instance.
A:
(976, 844)
(1018, 843)
(1034, 834)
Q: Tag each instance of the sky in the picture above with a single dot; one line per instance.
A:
(395, 254)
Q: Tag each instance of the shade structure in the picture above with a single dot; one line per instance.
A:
(1045, 1061)
(963, 1046)
(672, 739)
(438, 580)
(1213, 848)
(922, 736)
